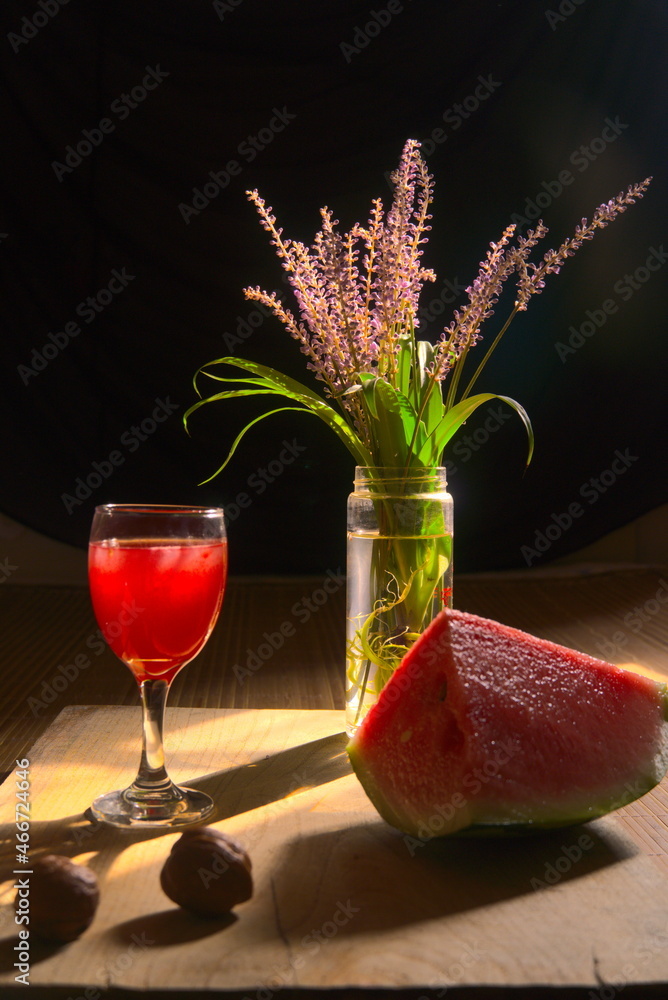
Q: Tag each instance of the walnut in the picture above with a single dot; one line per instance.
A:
(207, 872)
(63, 898)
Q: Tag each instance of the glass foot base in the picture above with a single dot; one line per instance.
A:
(132, 807)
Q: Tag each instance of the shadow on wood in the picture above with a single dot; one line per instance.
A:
(395, 881)
(235, 790)
(175, 926)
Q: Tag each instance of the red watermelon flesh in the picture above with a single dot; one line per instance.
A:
(487, 727)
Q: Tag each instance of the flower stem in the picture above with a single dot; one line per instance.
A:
(490, 350)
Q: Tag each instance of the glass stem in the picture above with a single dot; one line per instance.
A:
(152, 774)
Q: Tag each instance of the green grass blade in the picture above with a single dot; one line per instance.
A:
(524, 417)
(429, 409)
(433, 411)
(268, 379)
(227, 394)
(457, 415)
(241, 435)
(396, 423)
(405, 362)
(368, 391)
(425, 353)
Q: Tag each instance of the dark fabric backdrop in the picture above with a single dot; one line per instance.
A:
(314, 102)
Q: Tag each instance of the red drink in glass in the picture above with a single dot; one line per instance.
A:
(157, 577)
(157, 600)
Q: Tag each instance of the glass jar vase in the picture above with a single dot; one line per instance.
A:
(399, 573)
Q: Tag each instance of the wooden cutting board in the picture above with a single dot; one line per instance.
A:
(341, 899)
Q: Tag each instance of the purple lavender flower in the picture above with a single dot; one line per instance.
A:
(353, 309)
(358, 292)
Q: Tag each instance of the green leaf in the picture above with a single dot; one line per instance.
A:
(404, 362)
(425, 353)
(428, 406)
(431, 400)
(271, 381)
(433, 411)
(368, 387)
(406, 409)
(396, 420)
(457, 415)
(238, 438)
(227, 394)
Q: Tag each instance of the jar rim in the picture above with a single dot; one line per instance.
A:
(399, 471)
(402, 469)
(162, 509)
(379, 474)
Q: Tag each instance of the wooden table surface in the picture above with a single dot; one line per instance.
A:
(459, 918)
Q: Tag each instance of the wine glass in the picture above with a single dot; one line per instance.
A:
(157, 577)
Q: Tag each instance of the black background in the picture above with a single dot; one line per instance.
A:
(555, 73)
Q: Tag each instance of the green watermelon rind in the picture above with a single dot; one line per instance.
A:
(500, 827)
(577, 818)
(371, 788)
(481, 828)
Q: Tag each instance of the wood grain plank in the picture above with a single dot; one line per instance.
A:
(342, 900)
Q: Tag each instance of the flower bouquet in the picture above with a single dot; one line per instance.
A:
(395, 400)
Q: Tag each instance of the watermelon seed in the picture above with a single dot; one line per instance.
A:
(443, 693)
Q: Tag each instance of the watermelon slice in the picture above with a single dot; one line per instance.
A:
(487, 729)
